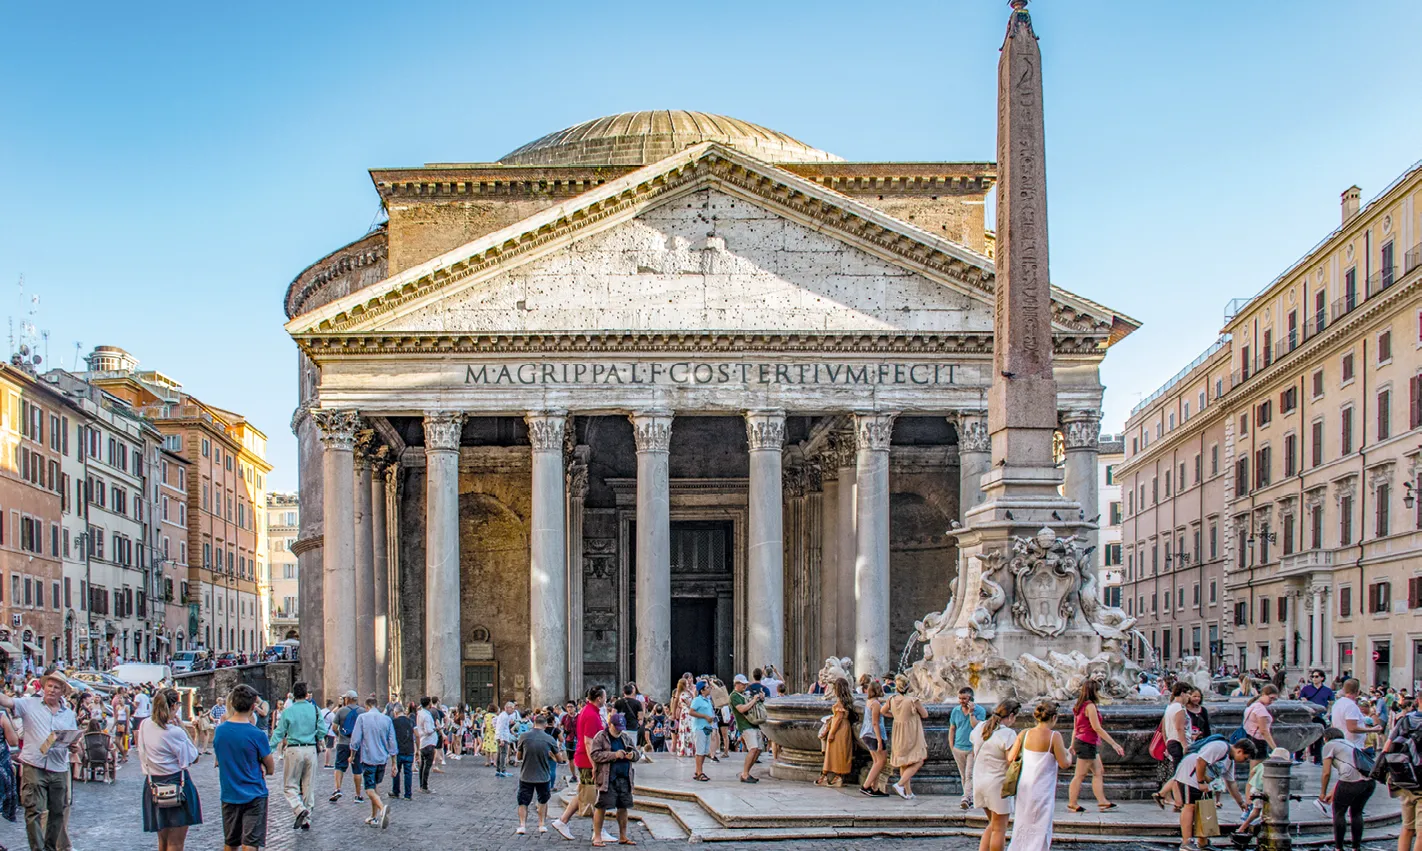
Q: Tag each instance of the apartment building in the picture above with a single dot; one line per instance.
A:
(280, 589)
(32, 444)
(171, 511)
(1270, 486)
(112, 573)
(1110, 554)
(225, 498)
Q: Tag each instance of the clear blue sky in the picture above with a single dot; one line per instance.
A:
(168, 168)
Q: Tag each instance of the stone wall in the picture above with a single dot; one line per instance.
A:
(272, 680)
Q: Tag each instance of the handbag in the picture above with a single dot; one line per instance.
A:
(1157, 742)
(168, 795)
(1207, 818)
(1014, 775)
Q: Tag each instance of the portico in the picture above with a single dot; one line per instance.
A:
(707, 411)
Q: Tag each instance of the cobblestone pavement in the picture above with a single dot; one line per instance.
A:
(469, 809)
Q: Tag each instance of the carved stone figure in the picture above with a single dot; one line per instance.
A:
(991, 598)
(836, 668)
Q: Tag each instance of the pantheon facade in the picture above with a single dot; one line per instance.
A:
(661, 392)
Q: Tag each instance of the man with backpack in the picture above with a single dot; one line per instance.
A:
(748, 711)
(345, 725)
(1400, 765)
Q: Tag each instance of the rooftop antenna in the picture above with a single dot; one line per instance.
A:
(78, 350)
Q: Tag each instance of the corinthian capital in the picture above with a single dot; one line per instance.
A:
(546, 429)
(442, 430)
(338, 428)
(1081, 429)
(765, 430)
(364, 445)
(873, 431)
(973, 432)
(652, 431)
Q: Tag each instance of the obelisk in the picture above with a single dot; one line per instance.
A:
(1022, 487)
(1022, 402)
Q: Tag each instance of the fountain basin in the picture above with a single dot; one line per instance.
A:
(794, 724)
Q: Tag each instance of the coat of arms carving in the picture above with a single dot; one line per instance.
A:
(1046, 572)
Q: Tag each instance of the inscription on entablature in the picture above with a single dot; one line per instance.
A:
(689, 373)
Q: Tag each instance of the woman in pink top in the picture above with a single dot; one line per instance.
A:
(1087, 734)
(1258, 723)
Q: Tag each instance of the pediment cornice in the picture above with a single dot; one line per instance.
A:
(709, 163)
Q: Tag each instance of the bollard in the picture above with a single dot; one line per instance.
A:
(1275, 834)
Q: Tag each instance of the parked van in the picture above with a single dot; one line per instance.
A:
(138, 673)
(182, 661)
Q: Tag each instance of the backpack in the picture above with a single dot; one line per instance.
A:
(348, 723)
(1195, 748)
(1401, 766)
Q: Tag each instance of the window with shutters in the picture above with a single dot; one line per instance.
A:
(1414, 407)
(1155, 490)
(1198, 468)
(1383, 502)
(1316, 444)
(1345, 601)
(1288, 400)
(1180, 480)
(1264, 414)
(1317, 383)
(1345, 437)
(1384, 347)
(1244, 424)
(1379, 597)
(1290, 455)
(1262, 467)
(1414, 592)
(1241, 614)
(1345, 520)
(1346, 368)
(1288, 533)
(1316, 527)
(1214, 541)
(1241, 477)
(1384, 414)
(1214, 592)
(1167, 483)
(1263, 609)
(1283, 609)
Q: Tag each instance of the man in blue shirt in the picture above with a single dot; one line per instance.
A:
(703, 721)
(1320, 695)
(243, 756)
(374, 739)
(961, 721)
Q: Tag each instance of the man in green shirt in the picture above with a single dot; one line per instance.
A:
(741, 704)
(297, 735)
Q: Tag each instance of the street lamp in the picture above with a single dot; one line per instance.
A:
(1410, 496)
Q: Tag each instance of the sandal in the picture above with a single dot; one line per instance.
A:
(1075, 809)
(1159, 799)
(703, 778)
(1109, 805)
(598, 843)
(823, 781)
(626, 842)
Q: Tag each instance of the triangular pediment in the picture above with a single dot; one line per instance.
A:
(706, 240)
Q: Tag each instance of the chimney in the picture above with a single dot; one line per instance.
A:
(1351, 197)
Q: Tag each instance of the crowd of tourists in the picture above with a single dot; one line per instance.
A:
(50, 738)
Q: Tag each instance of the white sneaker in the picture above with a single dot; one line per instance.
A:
(520, 830)
(608, 837)
(562, 829)
(384, 817)
(543, 828)
(900, 790)
(373, 822)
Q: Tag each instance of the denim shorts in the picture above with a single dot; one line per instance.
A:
(703, 742)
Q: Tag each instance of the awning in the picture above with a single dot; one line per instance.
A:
(34, 648)
(9, 648)
(162, 638)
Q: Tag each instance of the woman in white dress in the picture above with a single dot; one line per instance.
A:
(1043, 753)
(991, 740)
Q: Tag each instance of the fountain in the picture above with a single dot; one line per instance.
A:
(1024, 618)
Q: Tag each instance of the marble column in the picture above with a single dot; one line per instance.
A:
(443, 676)
(394, 637)
(871, 563)
(548, 562)
(1291, 619)
(380, 463)
(338, 434)
(577, 494)
(1081, 435)
(364, 648)
(1315, 636)
(829, 588)
(765, 541)
(974, 458)
(1327, 656)
(652, 432)
(847, 538)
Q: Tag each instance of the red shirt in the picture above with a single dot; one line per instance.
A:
(589, 725)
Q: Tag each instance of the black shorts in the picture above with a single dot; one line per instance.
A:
(617, 797)
(245, 824)
(371, 775)
(1193, 795)
(527, 790)
(1085, 750)
(343, 757)
(1176, 752)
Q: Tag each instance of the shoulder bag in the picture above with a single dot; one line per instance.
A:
(168, 795)
(1014, 776)
(757, 714)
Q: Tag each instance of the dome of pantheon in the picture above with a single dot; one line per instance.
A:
(640, 138)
